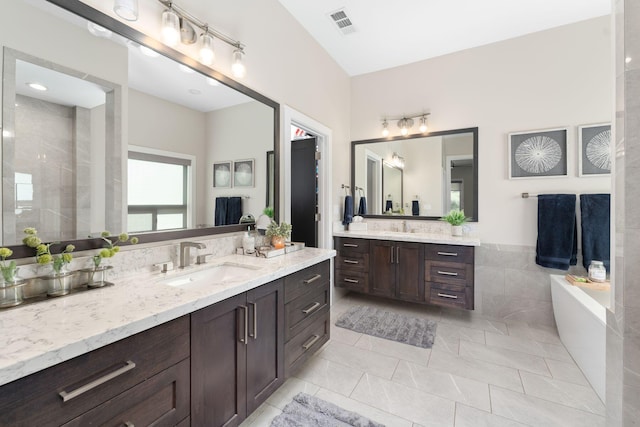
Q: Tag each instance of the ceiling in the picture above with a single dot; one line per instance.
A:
(388, 34)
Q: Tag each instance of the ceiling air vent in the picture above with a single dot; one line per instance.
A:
(342, 21)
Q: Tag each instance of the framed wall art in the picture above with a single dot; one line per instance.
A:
(222, 174)
(541, 153)
(243, 175)
(594, 149)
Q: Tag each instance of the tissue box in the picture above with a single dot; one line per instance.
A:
(358, 226)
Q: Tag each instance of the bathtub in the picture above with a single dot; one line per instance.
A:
(581, 320)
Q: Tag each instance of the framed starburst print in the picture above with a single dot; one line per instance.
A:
(594, 150)
(540, 153)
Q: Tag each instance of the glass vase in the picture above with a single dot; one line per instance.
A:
(58, 283)
(97, 276)
(11, 292)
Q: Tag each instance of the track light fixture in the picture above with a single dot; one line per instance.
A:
(126, 9)
(405, 123)
(178, 26)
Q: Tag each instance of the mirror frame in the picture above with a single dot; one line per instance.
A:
(473, 130)
(87, 12)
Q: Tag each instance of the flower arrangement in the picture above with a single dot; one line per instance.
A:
(43, 251)
(9, 270)
(282, 230)
(112, 247)
(455, 217)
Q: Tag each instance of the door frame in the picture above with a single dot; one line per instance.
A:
(291, 117)
(447, 179)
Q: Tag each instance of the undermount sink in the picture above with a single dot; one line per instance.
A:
(214, 275)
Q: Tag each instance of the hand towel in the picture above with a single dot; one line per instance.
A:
(221, 210)
(388, 206)
(595, 213)
(415, 208)
(557, 244)
(348, 210)
(362, 206)
(234, 211)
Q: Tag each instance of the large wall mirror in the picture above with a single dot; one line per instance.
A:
(419, 176)
(101, 131)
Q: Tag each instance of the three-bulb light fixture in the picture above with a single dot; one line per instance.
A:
(405, 123)
(177, 26)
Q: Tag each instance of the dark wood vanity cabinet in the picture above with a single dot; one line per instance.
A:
(418, 272)
(237, 358)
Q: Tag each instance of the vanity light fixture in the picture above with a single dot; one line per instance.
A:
(126, 9)
(175, 18)
(405, 123)
(98, 30)
(397, 160)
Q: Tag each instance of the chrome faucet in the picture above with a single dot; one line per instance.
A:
(184, 252)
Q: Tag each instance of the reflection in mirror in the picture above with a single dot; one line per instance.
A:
(160, 116)
(422, 177)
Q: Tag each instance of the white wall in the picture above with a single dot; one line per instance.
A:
(558, 77)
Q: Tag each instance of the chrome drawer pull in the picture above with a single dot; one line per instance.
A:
(313, 279)
(351, 280)
(244, 337)
(447, 273)
(350, 261)
(349, 245)
(255, 321)
(95, 383)
(311, 342)
(311, 308)
(448, 253)
(129, 424)
(447, 296)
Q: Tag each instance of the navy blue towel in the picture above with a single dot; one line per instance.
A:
(221, 210)
(595, 212)
(234, 210)
(557, 244)
(348, 210)
(415, 208)
(388, 206)
(362, 206)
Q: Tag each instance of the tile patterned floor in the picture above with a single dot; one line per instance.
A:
(480, 372)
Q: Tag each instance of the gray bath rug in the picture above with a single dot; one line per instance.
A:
(309, 411)
(392, 326)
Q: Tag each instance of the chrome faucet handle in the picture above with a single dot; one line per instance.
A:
(164, 266)
(202, 259)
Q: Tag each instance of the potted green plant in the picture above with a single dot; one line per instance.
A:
(10, 285)
(97, 273)
(456, 218)
(278, 233)
(59, 280)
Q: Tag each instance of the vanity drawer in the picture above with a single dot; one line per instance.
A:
(305, 344)
(449, 295)
(348, 245)
(354, 280)
(352, 261)
(449, 272)
(449, 253)
(71, 388)
(298, 283)
(303, 311)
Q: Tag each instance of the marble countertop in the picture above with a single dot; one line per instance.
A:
(37, 336)
(438, 238)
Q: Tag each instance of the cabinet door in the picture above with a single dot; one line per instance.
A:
(409, 261)
(218, 363)
(383, 268)
(265, 348)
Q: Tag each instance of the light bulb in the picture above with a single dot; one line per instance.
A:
(423, 125)
(404, 131)
(385, 128)
(170, 27)
(126, 9)
(238, 69)
(206, 51)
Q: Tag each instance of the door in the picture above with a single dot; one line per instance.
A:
(265, 347)
(304, 192)
(382, 259)
(410, 271)
(218, 363)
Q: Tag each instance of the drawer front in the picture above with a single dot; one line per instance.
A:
(449, 295)
(305, 344)
(162, 400)
(353, 280)
(299, 283)
(352, 261)
(302, 311)
(449, 253)
(351, 245)
(93, 378)
(449, 272)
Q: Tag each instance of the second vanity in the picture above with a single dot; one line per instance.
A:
(166, 349)
(418, 267)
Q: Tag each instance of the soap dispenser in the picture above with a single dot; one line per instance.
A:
(248, 242)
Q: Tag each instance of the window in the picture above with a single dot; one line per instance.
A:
(158, 192)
